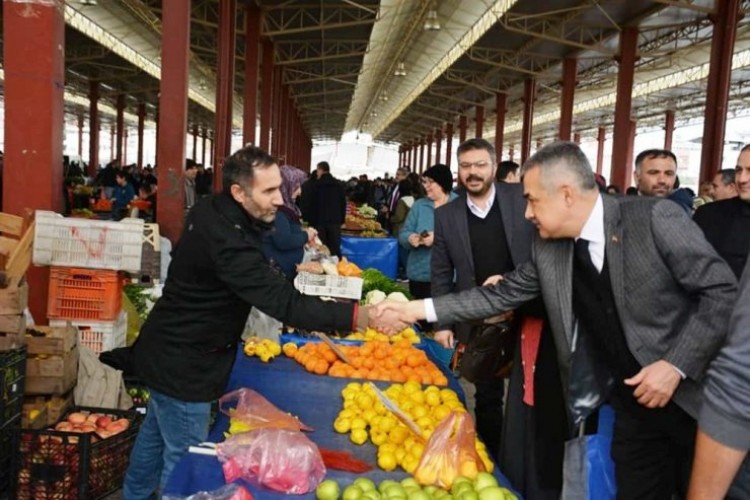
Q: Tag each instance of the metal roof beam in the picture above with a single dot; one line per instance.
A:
(435, 93)
(299, 53)
(322, 92)
(471, 79)
(690, 5)
(299, 20)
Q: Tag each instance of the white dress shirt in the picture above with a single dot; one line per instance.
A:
(593, 232)
(482, 212)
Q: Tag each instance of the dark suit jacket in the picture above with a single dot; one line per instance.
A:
(451, 251)
(726, 224)
(673, 292)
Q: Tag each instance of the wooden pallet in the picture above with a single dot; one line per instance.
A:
(16, 242)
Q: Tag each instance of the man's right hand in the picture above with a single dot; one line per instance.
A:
(444, 338)
(415, 240)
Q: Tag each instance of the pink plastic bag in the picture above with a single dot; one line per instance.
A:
(258, 412)
(279, 459)
(227, 492)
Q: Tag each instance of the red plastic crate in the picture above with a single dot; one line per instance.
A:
(84, 294)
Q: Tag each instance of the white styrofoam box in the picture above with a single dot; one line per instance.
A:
(324, 285)
(92, 244)
(100, 336)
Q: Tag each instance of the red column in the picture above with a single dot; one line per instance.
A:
(421, 155)
(93, 128)
(449, 144)
(282, 125)
(112, 133)
(195, 143)
(203, 147)
(141, 122)
(568, 96)
(224, 85)
(266, 95)
(172, 133)
(409, 154)
(120, 138)
(211, 155)
(438, 143)
(631, 143)
(462, 129)
(34, 58)
(252, 44)
(479, 117)
(717, 93)
(510, 153)
(500, 105)
(80, 136)
(288, 119)
(276, 114)
(621, 167)
(668, 129)
(125, 146)
(429, 150)
(600, 138)
(529, 96)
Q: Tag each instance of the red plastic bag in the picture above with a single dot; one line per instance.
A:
(279, 459)
(258, 412)
(450, 452)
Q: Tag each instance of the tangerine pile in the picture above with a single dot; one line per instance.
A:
(376, 360)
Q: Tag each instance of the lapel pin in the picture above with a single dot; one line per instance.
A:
(614, 239)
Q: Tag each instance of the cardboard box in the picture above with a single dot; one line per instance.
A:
(56, 340)
(53, 375)
(324, 285)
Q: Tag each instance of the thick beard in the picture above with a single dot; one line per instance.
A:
(483, 191)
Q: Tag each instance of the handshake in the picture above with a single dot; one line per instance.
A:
(390, 317)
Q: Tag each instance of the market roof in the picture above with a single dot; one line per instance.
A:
(371, 66)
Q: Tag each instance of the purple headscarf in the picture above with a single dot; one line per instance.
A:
(291, 179)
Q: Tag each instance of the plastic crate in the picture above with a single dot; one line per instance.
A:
(100, 336)
(12, 377)
(93, 244)
(151, 255)
(64, 465)
(84, 294)
(8, 449)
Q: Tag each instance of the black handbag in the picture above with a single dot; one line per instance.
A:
(489, 352)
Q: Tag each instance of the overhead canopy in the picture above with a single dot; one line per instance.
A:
(371, 66)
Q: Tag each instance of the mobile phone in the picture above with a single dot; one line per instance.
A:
(424, 234)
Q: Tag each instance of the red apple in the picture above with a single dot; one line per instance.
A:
(103, 421)
(93, 417)
(64, 427)
(88, 428)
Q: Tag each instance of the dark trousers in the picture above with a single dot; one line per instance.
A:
(488, 410)
(330, 236)
(420, 289)
(652, 451)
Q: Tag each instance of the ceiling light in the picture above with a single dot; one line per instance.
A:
(88, 2)
(203, 85)
(432, 23)
(384, 96)
(400, 70)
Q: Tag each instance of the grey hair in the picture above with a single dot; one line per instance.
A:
(562, 157)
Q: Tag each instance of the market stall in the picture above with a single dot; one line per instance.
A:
(378, 253)
(316, 400)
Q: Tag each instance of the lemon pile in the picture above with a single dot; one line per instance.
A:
(407, 333)
(363, 416)
(265, 349)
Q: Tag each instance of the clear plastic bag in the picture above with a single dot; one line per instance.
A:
(450, 452)
(279, 459)
(257, 412)
(226, 492)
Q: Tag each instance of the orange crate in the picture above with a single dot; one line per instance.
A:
(84, 294)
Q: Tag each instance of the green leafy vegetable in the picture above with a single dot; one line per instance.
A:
(375, 280)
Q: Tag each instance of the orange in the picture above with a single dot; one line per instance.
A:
(321, 367)
(414, 360)
(330, 356)
(289, 349)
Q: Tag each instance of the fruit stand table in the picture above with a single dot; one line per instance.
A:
(315, 399)
(380, 253)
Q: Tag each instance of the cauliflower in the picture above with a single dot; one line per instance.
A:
(374, 297)
(397, 297)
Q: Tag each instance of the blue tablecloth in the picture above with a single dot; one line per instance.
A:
(315, 399)
(380, 253)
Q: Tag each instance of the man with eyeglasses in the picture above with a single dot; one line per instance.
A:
(479, 237)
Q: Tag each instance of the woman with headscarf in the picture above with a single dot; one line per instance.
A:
(285, 244)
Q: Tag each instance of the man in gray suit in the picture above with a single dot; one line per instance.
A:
(643, 291)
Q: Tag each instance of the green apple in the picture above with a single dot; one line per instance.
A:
(418, 495)
(492, 493)
(437, 495)
(430, 490)
(352, 492)
(328, 490)
(395, 491)
(468, 495)
(371, 495)
(366, 484)
(460, 485)
(385, 483)
(483, 480)
(410, 482)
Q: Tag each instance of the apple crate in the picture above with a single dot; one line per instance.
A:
(93, 244)
(12, 379)
(63, 465)
(84, 294)
(99, 336)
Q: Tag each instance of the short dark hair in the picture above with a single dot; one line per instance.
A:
(505, 168)
(324, 166)
(190, 164)
(477, 143)
(240, 167)
(727, 175)
(653, 153)
(631, 191)
(746, 147)
(122, 174)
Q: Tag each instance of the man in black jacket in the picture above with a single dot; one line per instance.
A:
(328, 209)
(186, 348)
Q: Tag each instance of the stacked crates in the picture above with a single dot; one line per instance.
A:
(85, 286)
(12, 375)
